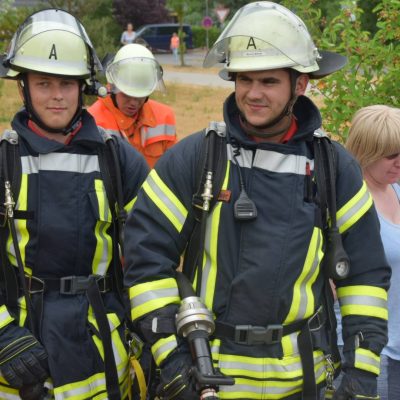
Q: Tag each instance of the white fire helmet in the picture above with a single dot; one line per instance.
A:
(264, 35)
(135, 71)
(53, 42)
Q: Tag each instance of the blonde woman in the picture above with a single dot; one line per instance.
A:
(374, 140)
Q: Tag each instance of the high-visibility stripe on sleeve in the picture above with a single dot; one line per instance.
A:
(165, 200)
(5, 317)
(150, 296)
(354, 209)
(367, 360)
(162, 348)
(369, 301)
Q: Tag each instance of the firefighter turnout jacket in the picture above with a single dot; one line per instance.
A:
(266, 272)
(66, 236)
(152, 131)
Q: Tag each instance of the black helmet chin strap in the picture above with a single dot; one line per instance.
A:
(287, 111)
(71, 126)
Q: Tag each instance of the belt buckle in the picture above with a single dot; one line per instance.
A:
(71, 285)
(102, 283)
(254, 335)
(29, 279)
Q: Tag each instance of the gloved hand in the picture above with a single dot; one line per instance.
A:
(23, 360)
(357, 384)
(176, 381)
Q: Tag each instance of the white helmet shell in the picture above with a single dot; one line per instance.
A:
(135, 71)
(53, 42)
(265, 35)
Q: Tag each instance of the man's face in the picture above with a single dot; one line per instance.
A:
(129, 105)
(262, 95)
(55, 100)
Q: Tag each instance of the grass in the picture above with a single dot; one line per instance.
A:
(194, 106)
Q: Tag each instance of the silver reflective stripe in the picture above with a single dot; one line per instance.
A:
(362, 301)
(164, 129)
(63, 162)
(148, 296)
(281, 163)
(166, 200)
(271, 161)
(113, 132)
(84, 389)
(354, 210)
(364, 359)
(245, 159)
(164, 348)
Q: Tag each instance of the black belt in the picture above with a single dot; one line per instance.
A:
(270, 334)
(68, 285)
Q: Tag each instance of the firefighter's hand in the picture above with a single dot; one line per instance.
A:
(176, 381)
(357, 384)
(23, 360)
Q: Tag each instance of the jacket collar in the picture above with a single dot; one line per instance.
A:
(88, 134)
(307, 115)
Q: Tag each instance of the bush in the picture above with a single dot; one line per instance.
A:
(199, 36)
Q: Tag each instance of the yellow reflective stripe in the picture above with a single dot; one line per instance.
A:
(369, 301)
(303, 302)
(103, 251)
(165, 200)
(20, 224)
(289, 344)
(7, 392)
(5, 317)
(128, 207)
(354, 209)
(367, 360)
(93, 387)
(22, 311)
(266, 377)
(162, 348)
(210, 257)
(149, 296)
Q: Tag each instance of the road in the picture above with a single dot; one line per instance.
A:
(192, 58)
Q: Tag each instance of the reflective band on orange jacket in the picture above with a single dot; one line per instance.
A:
(151, 132)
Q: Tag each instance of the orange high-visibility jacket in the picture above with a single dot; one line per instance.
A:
(151, 132)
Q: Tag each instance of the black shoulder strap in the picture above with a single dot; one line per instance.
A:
(325, 165)
(11, 171)
(213, 152)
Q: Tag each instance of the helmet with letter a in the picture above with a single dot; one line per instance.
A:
(264, 35)
(52, 42)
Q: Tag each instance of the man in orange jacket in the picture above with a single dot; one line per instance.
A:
(127, 111)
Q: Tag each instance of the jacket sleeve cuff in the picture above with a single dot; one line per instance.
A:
(163, 348)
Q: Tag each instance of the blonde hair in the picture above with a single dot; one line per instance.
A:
(374, 133)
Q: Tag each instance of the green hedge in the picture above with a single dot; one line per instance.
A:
(199, 36)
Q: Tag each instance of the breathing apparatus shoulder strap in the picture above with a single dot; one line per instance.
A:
(10, 163)
(213, 158)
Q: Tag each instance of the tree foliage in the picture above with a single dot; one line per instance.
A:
(371, 75)
(140, 12)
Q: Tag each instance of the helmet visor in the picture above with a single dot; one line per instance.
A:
(282, 33)
(46, 21)
(136, 77)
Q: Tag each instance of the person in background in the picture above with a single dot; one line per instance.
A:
(174, 46)
(259, 254)
(62, 315)
(374, 140)
(129, 35)
(128, 112)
